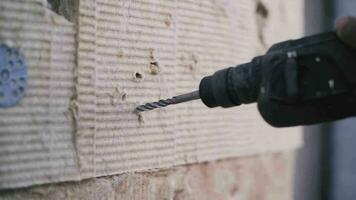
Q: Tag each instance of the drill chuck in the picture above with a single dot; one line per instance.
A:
(232, 86)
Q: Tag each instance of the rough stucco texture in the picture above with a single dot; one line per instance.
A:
(78, 121)
(256, 177)
(260, 177)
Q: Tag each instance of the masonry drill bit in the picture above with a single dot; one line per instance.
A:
(166, 102)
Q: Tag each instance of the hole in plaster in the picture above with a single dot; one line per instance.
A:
(154, 68)
(66, 8)
(262, 10)
(123, 96)
(54, 5)
(168, 20)
(138, 77)
(262, 15)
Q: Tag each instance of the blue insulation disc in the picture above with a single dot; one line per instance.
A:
(13, 76)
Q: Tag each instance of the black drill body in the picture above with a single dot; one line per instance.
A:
(297, 82)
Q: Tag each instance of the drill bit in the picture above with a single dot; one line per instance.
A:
(166, 102)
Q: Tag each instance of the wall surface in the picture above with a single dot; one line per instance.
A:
(90, 69)
(91, 62)
(263, 177)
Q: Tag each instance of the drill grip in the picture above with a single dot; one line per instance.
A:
(308, 81)
(297, 82)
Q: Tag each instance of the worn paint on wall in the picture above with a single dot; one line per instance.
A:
(263, 177)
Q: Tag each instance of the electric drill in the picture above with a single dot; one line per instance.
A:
(297, 82)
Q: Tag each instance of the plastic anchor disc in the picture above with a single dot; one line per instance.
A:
(13, 76)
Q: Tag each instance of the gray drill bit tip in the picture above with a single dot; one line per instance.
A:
(166, 102)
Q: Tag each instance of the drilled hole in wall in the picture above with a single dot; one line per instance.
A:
(262, 15)
(154, 65)
(123, 96)
(262, 10)
(154, 68)
(66, 8)
(54, 5)
(138, 77)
